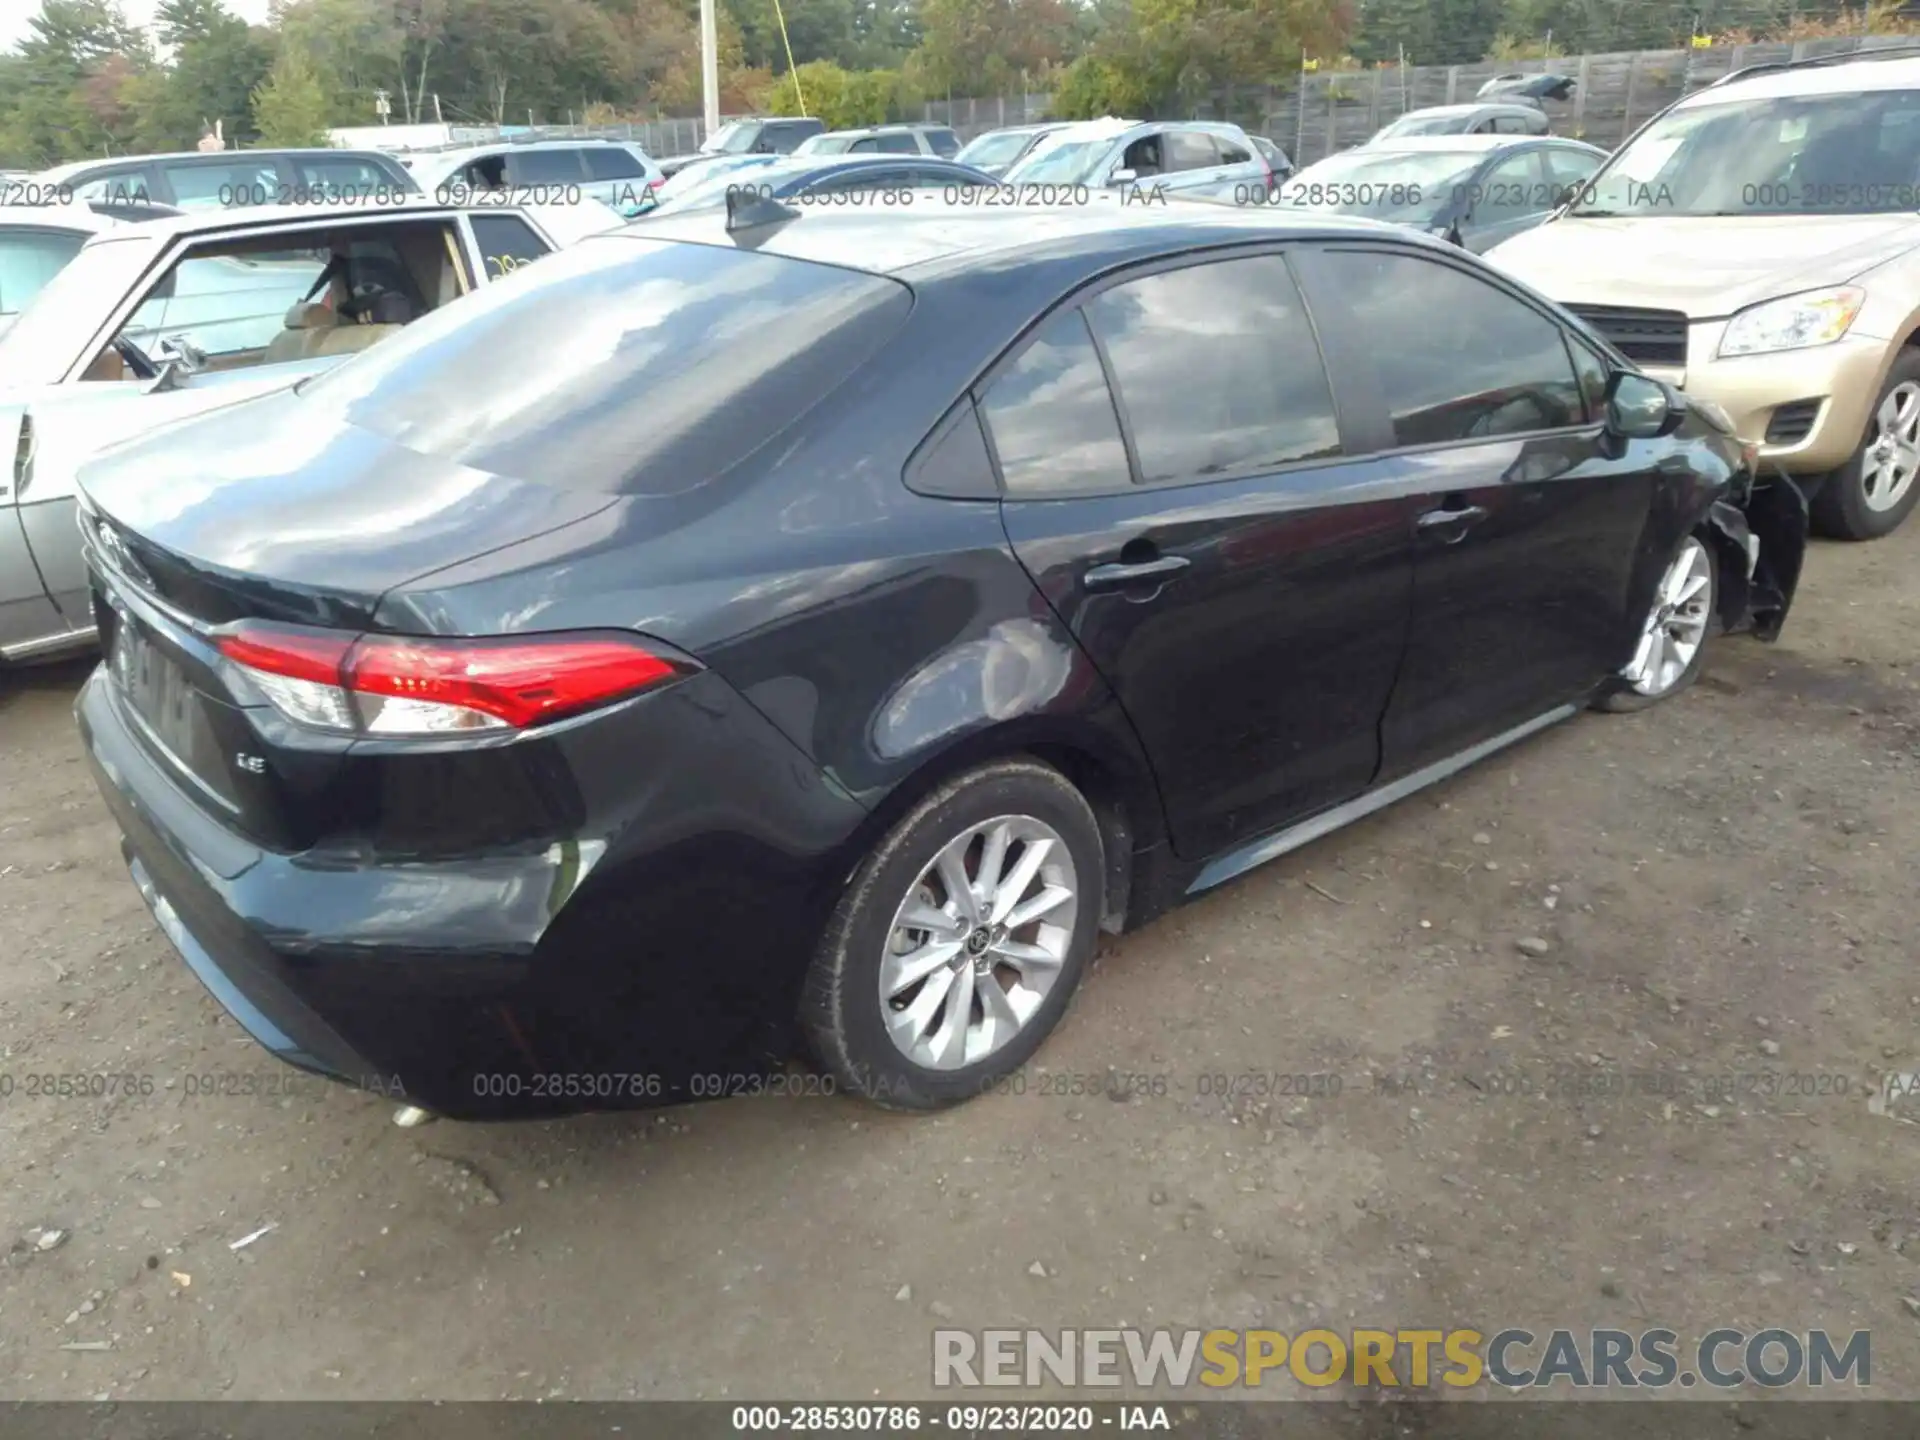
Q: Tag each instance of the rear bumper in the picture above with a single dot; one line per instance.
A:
(647, 967)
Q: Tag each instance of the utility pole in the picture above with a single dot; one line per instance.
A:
(710, 65)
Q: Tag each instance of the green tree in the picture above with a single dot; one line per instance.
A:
(982, 47)
(70, 88)
(290, 107)
(218, 62)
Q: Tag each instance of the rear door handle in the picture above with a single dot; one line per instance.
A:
(1116, 576)
(1451, 524)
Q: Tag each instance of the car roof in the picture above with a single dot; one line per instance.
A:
(252, 217)
(1477, 107)
(494, 147)
(1029, 129)
(939, 238)
(214, 157)
(1414, 143)
(77, 216)
(1839, 78)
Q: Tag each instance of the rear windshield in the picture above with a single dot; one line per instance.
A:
(621, 365)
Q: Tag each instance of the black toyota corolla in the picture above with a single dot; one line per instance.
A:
(773, 633)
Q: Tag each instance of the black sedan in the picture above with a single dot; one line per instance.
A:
(1475, 190)
(778, 626)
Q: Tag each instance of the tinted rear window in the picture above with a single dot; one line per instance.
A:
(660, 364)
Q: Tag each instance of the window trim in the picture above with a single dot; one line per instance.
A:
(1382, 419)
(1078, 298)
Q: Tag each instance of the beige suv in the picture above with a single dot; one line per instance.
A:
(1759, 244)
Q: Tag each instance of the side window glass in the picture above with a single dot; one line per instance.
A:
(1052, 419)
(1592, 373)
(955, 462)
(1189, 150)
(506, 243)
(122, 187)
(945, 143)
(1514, 187)
(1217, 369)
(544, 167)
(199, 186)
(613, 162)
(899, 143)
(229, 306)
(28, 260)
(867, 145)
(1143, 157)
(1570, 170)
(1232, 154)
(1480, 364)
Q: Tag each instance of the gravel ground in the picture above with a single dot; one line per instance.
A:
(1718, 888)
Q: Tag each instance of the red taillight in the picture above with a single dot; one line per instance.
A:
(400, 685)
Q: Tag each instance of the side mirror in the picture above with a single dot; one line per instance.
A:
(1123, 177)
(1642, 408)
(178, 360)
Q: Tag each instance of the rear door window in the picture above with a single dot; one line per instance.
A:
(898, 142)
(1052, 419)
(613, 162)
(662, 365)
(945, 143)
(544, 167)
(347, 179)
(1217, 369)
(1189, 150)
(203, 185)
(506, 243)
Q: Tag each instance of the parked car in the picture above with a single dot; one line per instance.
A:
(755, 135)
(1480, 118)
(824, 616)
(692, 177)
(1186, 158)
(37, 241)
(998, 151)
(1527, 87)
(613, 173)
(935, 140)
(1757, 242)
(148, 323)
(193, 180)
(1474, 190)
(1278, 162)
(819, 178)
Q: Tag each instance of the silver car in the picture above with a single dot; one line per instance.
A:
(149, 323)
(1183, 159)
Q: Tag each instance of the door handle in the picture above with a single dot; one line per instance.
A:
(1161, 568)
(1450, 525)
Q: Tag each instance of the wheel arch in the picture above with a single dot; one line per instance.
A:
(1115, 784)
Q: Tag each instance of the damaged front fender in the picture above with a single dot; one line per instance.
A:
(1761, 539)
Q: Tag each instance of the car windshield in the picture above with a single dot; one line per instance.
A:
(1399, 185)
(828, 144)
(1066, 162)
(1851, 154)
(1001, 148)
(39, 346)
(709, 184)
(1424, 125)
(736, 137)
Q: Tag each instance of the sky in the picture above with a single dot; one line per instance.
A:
(14, 15)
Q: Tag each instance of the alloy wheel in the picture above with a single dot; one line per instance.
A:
(1892, 455)
(978, 942)
(1676, 626)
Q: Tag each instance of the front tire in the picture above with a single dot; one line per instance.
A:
(1874, 491)
(1673, 637)
(960, 940)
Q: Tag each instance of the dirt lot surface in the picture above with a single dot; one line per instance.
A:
(1725, 888)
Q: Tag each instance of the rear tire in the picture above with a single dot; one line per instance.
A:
(932, 981)
(1674, 635)
(1876, 490)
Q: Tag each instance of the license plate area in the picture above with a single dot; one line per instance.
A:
(170, 710)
